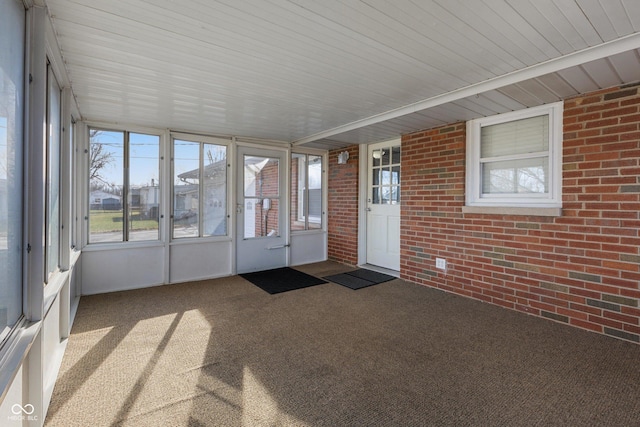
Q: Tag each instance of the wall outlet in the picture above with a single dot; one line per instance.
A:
(441, 263)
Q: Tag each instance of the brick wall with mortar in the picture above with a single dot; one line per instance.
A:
(582, 268)
(342, 212)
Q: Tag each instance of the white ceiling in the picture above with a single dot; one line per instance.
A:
(332, 73)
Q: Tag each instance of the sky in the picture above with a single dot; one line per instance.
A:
(144, 157)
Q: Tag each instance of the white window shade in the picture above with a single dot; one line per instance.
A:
(515, 138)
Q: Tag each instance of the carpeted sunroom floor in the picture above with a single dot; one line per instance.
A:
(225, 353)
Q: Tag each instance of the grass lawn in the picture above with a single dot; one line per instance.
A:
(108, 221)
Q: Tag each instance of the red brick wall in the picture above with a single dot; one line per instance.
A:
(582, 268)
(343, 207)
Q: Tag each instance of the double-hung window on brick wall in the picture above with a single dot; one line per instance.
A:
(515, 159)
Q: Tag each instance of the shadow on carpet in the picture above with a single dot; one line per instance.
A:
(360, 278)
(281, 280)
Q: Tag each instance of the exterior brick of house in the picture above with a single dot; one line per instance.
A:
(581, 268)
(343, 208)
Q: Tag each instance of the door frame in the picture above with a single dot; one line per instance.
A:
(285, 198)
(363, 192)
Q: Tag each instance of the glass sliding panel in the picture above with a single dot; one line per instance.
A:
(52, 219)
(74, 176)
(298, 190)
(214, 208)
(12, 31)
(186, 188)
(314, 194)
(143, 196)
(106, 174)
(261, 182)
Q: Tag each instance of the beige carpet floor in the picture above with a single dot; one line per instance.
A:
(225, 353)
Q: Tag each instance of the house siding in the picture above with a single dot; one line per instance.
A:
(581, 268)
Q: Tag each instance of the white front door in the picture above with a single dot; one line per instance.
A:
(261, 210)
(383, 205)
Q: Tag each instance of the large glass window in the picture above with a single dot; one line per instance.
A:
(124, 186)
(199, 189)
(514, 159)
(52, 215)
(306, 192)
(11, 142)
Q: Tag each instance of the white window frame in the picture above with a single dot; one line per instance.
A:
(302, 189)
(202, 140)
(552, 199)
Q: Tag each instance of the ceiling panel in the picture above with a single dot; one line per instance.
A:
(305, 71)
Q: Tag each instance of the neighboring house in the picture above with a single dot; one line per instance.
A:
(187, 194)
(145, 200)
(104, 201)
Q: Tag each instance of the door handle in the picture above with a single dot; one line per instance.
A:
(368, 209)
(278, 247)
(238, 208)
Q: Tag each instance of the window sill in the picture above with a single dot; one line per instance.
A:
(504, 210)
(102, 246)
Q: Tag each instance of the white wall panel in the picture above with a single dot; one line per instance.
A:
(110, 270)
(307, 248)
(201, 260)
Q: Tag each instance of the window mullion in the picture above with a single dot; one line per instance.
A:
(125, 188)
(306, 192)
(201, 191)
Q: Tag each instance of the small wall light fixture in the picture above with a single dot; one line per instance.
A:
(343, 157)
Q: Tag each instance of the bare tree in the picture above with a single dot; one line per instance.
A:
(98, 159)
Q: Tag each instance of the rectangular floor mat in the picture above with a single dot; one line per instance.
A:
(360, 278)
(281, 280)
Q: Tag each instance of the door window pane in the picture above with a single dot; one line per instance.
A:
(385, 176)
(143, 196)
(11, 143)
(261, 203)
(106, 172)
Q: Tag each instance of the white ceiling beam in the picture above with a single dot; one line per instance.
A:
(593, 53)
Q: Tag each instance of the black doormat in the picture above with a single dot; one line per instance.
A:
(360, 278)
(281, 280)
